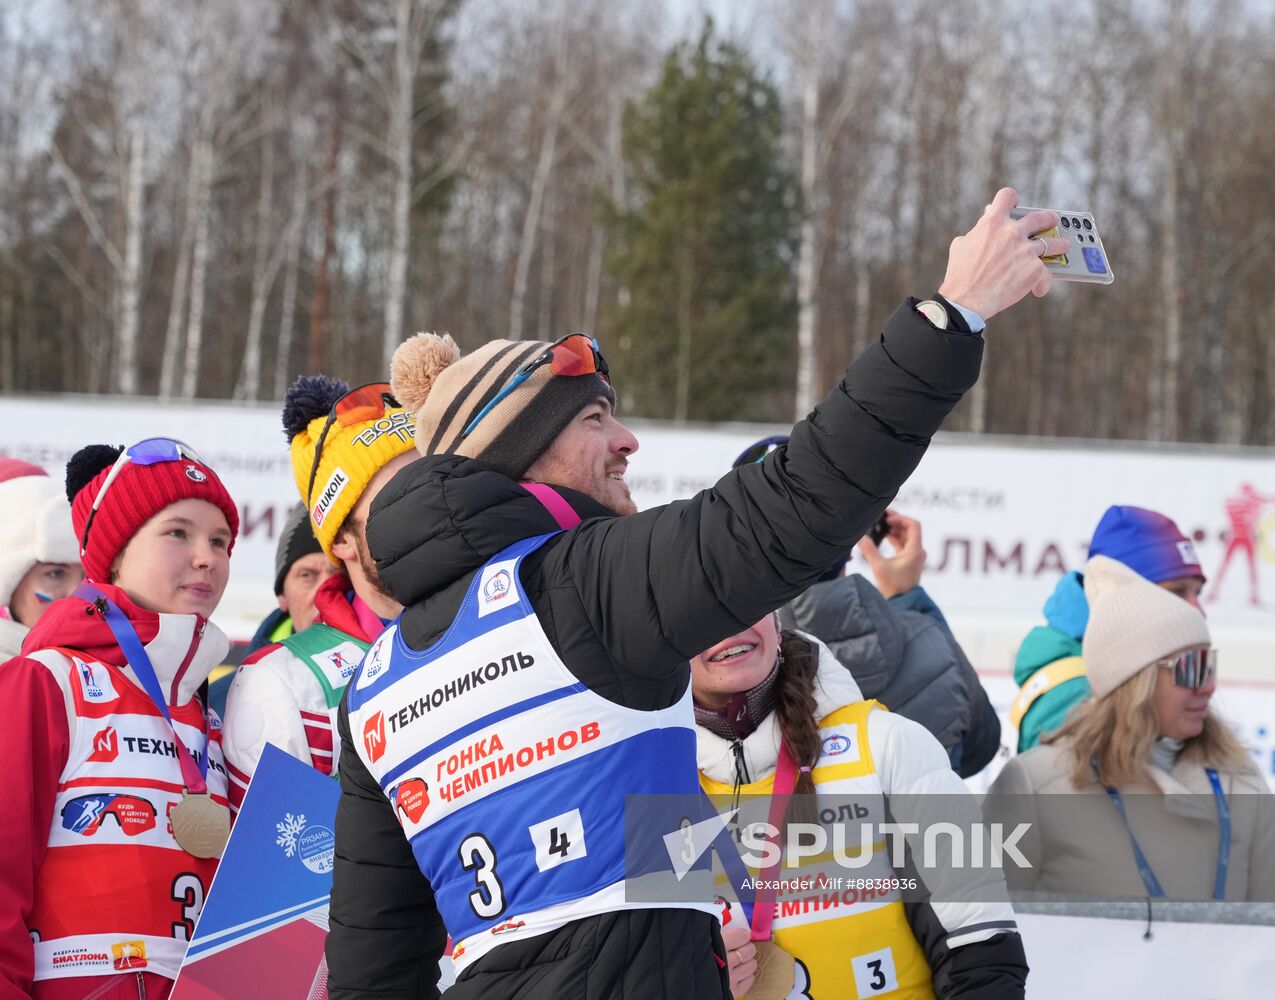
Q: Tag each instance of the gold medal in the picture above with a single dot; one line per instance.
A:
(200, 826)
(776, 972)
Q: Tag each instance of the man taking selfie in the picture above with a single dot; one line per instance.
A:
(489, 803)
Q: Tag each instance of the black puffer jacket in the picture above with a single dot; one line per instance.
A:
(907, 661)
(626, 601)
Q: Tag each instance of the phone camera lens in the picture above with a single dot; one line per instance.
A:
(1088, 224)
(1076, 223)
(1066, 222)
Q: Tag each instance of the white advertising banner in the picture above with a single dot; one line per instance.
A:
(1002, 519)
(1094, 957)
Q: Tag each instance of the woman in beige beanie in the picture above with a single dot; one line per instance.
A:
(1171, 804)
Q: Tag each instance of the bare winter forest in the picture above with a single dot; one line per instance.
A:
(206, 198)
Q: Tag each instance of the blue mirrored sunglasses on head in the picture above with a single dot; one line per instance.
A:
(151, 451)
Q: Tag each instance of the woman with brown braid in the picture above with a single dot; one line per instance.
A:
(776, 711)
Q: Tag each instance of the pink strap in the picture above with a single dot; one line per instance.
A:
(369, 621)
(785, 782)
(551, 500)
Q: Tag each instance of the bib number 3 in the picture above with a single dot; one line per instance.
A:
(478, 856)
(189, 892)
(874, 973)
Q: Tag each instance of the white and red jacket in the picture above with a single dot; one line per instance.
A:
(93, 885)
(283, 697)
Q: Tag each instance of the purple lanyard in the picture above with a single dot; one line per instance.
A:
(193, 774)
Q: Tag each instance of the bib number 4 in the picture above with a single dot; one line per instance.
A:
(558, 843)
(558, 839)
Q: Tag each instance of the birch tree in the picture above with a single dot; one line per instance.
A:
(129, 48)
(126, 378)
(1171, 109)
(201, 167)
(553, 116)
(291, 269)
(387, 42)
(265, 265)
(185, 188)
(175, 328)
(225, 124)
(815, 36)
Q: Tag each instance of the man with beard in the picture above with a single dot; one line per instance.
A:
(346, 445)
(539, 675)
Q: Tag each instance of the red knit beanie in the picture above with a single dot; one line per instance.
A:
(137, 494)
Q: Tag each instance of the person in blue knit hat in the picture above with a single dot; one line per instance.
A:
(1049, 668)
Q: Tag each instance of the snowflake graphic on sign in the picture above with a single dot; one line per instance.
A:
(314, 846)
(289, 830)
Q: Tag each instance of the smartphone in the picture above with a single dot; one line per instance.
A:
(1087, 260)
(879, 530)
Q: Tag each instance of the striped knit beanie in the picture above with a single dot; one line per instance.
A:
(447, 391)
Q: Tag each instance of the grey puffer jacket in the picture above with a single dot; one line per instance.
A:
(906, 660)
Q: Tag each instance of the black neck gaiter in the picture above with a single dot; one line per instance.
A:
(745, 711)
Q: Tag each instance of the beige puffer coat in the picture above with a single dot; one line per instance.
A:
(1078, 844)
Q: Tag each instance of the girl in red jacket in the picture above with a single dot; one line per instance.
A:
(115, 809)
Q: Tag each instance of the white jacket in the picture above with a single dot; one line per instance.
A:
(913, 768)
(277, 698)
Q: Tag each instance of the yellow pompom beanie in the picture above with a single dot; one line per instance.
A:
(352, 453)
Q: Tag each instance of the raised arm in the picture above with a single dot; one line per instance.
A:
(662, 585)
